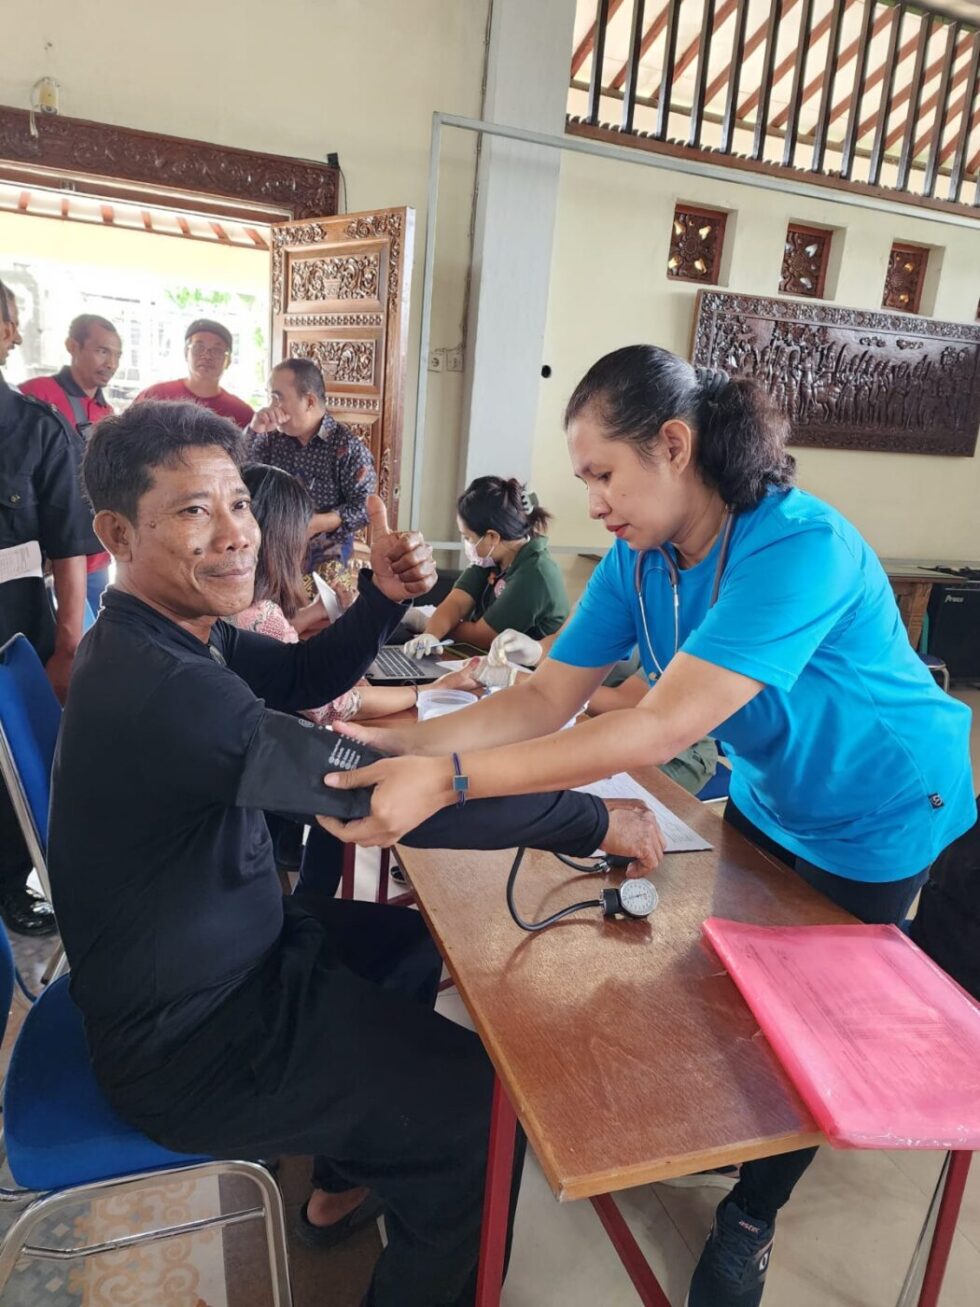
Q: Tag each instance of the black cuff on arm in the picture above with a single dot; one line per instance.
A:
(286, 762)
(566, 822)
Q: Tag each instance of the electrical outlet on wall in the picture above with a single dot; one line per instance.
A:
(437, 360)
(454, 359)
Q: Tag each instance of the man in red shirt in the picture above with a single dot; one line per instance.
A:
(76, 391)
(207, 348)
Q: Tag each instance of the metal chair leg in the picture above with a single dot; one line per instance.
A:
(57, 966)
(16, 1242)
(274, 1219)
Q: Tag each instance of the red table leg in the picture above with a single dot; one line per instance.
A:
(496, 1198)
(942, 1239)
(630, 1254)
(347, 871)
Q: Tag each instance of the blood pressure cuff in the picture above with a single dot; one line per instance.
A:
(287, 761)
(289, 757)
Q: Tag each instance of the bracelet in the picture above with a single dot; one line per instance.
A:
(415, 687)
(461, 783)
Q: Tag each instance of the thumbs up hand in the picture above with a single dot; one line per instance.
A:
(401, 560)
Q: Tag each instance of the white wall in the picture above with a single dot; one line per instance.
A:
(609, 288)
(300, 77)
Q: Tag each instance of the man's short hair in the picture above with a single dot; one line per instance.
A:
(79, 327)
(6, 303)
(307, 377)
(122, 450)
(216, 329)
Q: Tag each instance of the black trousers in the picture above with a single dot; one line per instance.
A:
(15, 861)
(765, 1185)
(333, 1049)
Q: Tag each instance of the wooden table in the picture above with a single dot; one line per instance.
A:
(912, 581)
(625, 1049)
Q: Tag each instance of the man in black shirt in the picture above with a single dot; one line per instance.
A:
(42, 515)
(222, 1019)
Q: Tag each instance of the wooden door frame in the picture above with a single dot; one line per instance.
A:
(147, 167)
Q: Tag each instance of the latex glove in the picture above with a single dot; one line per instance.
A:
(423, 646)
(415, 619)
(494, 676)
(515, 647)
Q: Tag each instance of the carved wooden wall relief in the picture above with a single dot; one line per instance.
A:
(905, 277)
(697, 238)
(350, 362)
(850, 378)
(349, 278)
(805, 256)
(300, 187)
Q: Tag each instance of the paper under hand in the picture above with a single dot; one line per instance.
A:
(678, 836)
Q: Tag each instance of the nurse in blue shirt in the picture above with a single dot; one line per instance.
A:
(764, 619)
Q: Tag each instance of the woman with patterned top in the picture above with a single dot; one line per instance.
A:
(283, 508)
(297, 434)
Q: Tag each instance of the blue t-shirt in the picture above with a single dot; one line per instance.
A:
(851, 756)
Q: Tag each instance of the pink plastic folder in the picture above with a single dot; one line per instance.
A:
(881, 1045)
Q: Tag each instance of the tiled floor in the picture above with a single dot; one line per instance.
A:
(844, 1240)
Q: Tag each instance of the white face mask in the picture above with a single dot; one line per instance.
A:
(472, 557)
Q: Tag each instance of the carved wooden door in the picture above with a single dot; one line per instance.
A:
(340, 293)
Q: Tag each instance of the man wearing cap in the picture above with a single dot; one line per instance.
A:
(207, 348)
(94, 348)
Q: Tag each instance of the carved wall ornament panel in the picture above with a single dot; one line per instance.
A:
(805, 256)
(301, 188)
(296, 321)
(850, 378)
(697, 238)
(338, 278)
(905, 277)
(349, 362)
(382, 224)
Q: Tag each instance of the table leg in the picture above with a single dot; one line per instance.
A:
(496, 1198)
(382, 894)
(630, 1254)
(942, 1240)
(347, 871)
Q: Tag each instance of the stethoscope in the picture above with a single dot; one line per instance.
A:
(674, 576)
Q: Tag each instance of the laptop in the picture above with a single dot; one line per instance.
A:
(394, 667)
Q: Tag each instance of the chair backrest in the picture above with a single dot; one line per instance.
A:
(30, 715)
(7, 973)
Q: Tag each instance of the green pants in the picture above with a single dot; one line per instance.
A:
(695, 766)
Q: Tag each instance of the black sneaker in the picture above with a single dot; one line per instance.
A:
(26, 912)
(732, 1269)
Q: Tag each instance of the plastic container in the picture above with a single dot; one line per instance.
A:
(439, 703)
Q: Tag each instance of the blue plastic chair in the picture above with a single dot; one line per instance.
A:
(938, 668)
(65, 1144)
(716, 789)
(30, 716)
(63, 1141)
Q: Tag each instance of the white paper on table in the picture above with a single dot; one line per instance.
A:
(678, 836)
